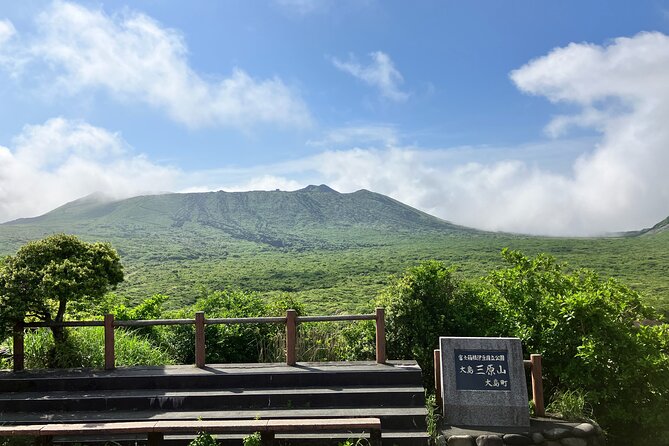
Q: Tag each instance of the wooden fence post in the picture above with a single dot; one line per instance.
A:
(18, 347)
(380, 336)
(110, 354)
(199, 340)
(291, 337)
(537, 385)
(437, 378)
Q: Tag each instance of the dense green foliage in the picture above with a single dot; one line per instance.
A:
(426, 302)
(595, 336)
(602, 348)
(224, 343)
(46, 276)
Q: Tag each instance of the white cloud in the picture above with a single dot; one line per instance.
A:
(380, 73)
(7, 31)
(62, 160)
(134, 58)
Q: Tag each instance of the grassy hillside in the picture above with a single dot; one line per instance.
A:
(334, 251)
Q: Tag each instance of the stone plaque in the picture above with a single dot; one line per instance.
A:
(483, 382)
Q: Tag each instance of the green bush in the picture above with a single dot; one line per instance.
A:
(151, 308)
(604, 352)
(232, 343)
(596, 338)
(427, 302)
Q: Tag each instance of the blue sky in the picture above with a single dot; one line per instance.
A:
(526, 116)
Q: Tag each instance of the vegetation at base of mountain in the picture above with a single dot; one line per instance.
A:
(596, 337)
(46, 276)
(332, 251)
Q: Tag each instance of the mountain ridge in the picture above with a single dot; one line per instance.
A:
(301, 219)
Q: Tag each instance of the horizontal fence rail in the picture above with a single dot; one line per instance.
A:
(291, 320)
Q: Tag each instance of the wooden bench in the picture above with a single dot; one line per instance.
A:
(156, 430)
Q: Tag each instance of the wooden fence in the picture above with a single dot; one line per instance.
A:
(291, 320)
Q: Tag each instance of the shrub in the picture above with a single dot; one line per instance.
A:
(223, 343)
(427, 302)
(596, 337)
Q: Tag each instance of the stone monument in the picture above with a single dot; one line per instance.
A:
(483, 382)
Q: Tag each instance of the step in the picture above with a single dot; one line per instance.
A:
(390, 438)
(360, 373)
(394, 418)
(340, 397)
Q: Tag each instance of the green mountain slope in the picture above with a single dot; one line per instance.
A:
(315, 216)
(334, 251)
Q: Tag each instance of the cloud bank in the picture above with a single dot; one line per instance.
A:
(132, 57)
(62, 160)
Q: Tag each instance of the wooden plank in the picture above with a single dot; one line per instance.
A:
(315, 424)
(110, 358)
(337, 318)
(18, 347)
(132, 427)
(149, 323)
(537, 385)
(291, 337)
(210, 426)
(30, 430)
(246, 320)
(199, 340)
(65, 324)
(381, 336)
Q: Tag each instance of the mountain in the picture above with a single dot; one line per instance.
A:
(333, 251)
(313, 217)
(658, 228)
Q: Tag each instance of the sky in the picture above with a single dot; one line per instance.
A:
(528, 116)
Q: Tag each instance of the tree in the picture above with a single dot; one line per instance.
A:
(427, 302)
(46, 275)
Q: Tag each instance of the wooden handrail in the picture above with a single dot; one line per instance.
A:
(291, 320)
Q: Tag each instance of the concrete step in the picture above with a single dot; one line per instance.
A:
(338, 397)
(393, 418)
(395, 373)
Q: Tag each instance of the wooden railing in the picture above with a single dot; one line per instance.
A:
(291, 320)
